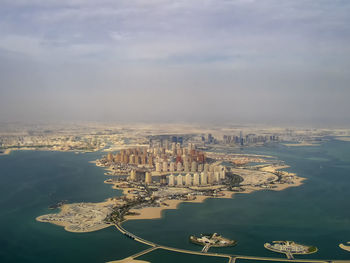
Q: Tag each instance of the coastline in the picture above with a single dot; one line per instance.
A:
(157, 212)
(301, 144)
(6, 152)
(346, 248)
(88, 217)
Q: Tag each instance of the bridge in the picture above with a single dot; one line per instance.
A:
(231, 258)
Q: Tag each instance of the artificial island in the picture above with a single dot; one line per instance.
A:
(165, 173)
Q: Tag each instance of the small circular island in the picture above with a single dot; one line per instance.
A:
(289, 248)
(212, 240)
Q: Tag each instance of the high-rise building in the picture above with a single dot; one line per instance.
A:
(172, 167)
(179, 167)
(223, 173)
(195, 179)
(179, 180)
(200, 167)
(211, 168)
(163, 180)
(110, 157)
(206, 167)
(150, 161)
(217, 176)
(171, 180)
(204, 178)
(148, 178)
(190, 147)
(165, 166)
(158, 167)
(188, 179)
(132, 159)
(173, 148)
(133, 175)
(186, 166)
(211, 178)
(194, 167)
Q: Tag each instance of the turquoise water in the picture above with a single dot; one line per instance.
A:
(30, 182)
(316, 213)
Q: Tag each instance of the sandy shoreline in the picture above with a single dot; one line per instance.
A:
(88, 217)
(347, 248)
(81, 217)
(6, 152)
(301, 144)
(157, 212)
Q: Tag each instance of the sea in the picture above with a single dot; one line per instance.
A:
(316, 213)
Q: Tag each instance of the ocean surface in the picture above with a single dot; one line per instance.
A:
(316, 213)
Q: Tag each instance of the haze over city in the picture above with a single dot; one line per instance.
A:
(243, 61)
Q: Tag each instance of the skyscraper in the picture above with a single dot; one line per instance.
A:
(196, 179)
(204, 178)
(165, 166)
(148, 178)
(133, 175)
(171, 180)
(188, 179)
(179, 180)
(194, 167)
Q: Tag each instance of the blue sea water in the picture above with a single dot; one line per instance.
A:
(316, 213)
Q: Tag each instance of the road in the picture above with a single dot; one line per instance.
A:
(231, 258)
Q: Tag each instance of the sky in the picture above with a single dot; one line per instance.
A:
(230, 61)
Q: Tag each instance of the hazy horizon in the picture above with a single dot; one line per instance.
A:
(215, 61)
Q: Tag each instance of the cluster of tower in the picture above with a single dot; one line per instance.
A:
(136, 156)
(204, 178)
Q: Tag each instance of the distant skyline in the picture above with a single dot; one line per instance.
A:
(237, 61)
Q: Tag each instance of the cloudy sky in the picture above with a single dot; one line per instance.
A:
(266, 61)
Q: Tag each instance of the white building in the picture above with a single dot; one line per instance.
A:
(158, 167)
(171, 180)
(211, 178)
(148, 178)
(179, 180)
(195, 179)
(179, 167)
(194, 167)
(217, 177)
(204, 178)
(186, 166)
(206, 167)
(223, 173)
(165, 166)
(172, 167)
(188, 179)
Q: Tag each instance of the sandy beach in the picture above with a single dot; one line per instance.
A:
(301, 144)
(347, 248)
(156, 212)
(6, 152)
(128, 260)
(81, 217)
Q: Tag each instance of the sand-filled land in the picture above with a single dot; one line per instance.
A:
(87, 217)
(81, 217)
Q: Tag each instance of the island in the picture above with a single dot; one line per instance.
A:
(345, 247)
(212, 240)
(289, 248)
(164, 174)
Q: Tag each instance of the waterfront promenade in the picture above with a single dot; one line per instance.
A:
(231, 258)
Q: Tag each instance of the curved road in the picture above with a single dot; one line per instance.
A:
(230, 257)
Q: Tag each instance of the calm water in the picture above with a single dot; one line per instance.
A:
(316, 213)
